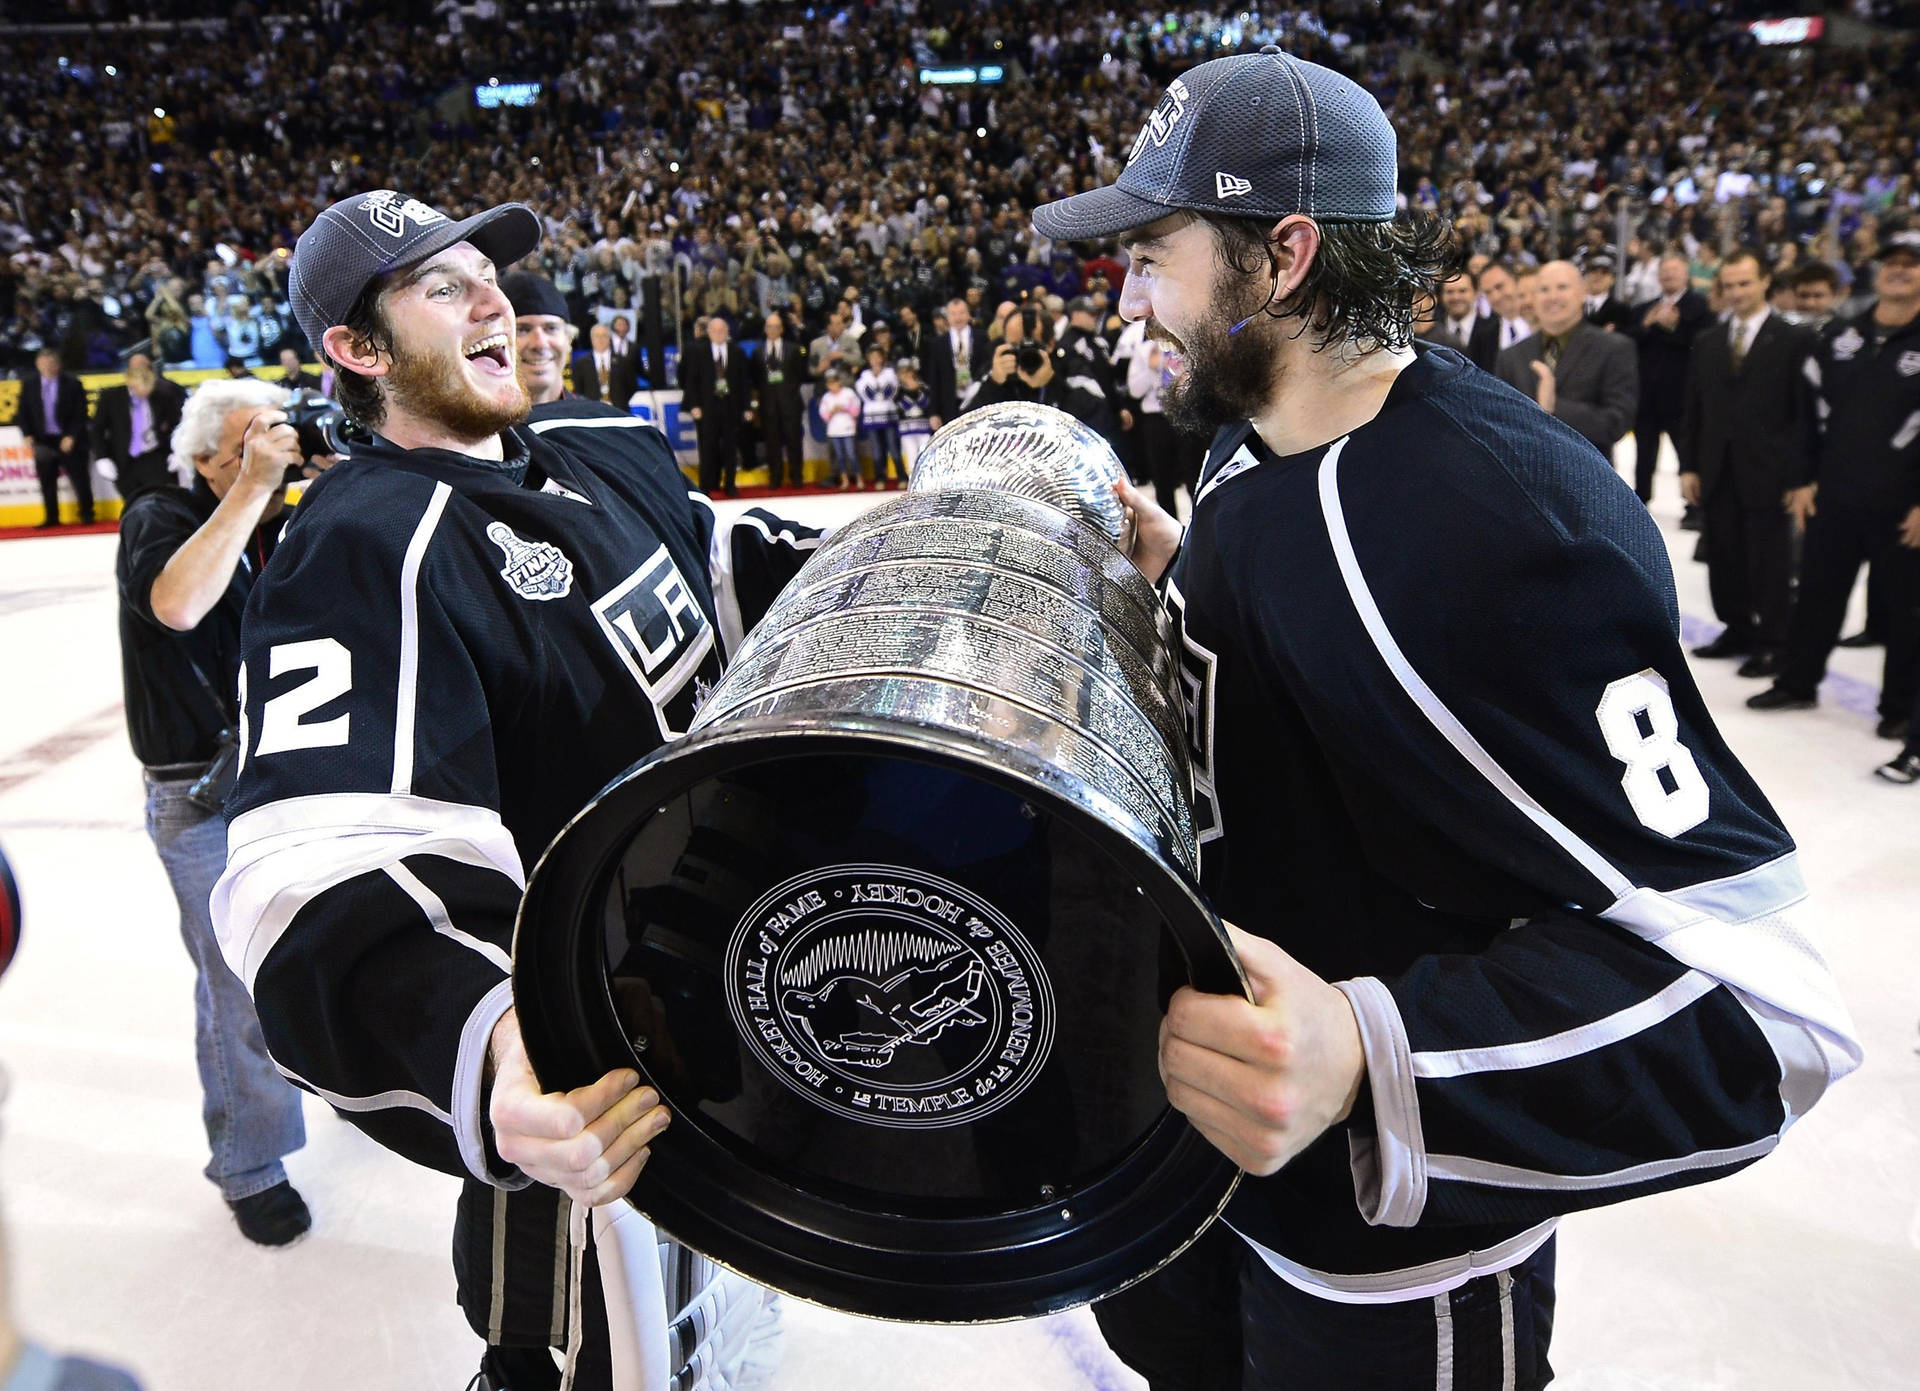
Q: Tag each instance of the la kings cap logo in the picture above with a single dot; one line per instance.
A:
(1165, 117)
(391, 212)
(535, 570)
(889, 996)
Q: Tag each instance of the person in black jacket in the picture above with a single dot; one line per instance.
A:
(1664, 328)
(1602, 309)
(601, 374)
(1454, 788)
(778, 373)
(1090, 389)
(1461, 326)
(1023, 362)
(132, 424)
(1747, 407)
(53, 417)
(186, 564)
(957, 362)
(1859, 491)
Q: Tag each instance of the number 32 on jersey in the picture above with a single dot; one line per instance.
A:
(1662, 782)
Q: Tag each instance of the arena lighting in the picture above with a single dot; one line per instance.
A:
(965, 76)
(160, 111)
(980, 131)
(112, 71)
(1799, 29)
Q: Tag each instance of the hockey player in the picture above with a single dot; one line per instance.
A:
(471, 627)
(1520, 930)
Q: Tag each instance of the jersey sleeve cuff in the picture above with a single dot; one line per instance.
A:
(469, 1096)
(1390, 1161)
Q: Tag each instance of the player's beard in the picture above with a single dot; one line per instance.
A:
(434, 386)
(1228, 377)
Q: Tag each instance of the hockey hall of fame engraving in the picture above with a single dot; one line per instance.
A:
(890, 996)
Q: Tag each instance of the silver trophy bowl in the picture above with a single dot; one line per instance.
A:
(892, 927)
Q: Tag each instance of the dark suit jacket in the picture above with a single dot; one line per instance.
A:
(942, 380)
(1613, 314)
(1482, 347)
(1746, 430)
(618, 390)
(113, 419)
(698, 382)
(1664, 356)
(1596, 384)
(70, 411)
(783, 397)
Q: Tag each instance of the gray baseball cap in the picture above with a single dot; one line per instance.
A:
(360, 239)
(1255, 135)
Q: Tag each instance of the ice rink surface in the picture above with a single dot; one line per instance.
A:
(1800, 1274)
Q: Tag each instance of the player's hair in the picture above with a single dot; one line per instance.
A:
(1812, 272)
(359, 396)
(1366, 283)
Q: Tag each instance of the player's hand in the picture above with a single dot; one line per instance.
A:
(589, 1143)
(1690, 489)
(1156, 532)
(1800, 503)
(1545, 393)
(1265, 1078)
(1910, 529)
(268, 449)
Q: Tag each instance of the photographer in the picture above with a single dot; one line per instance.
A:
(186, 563)
(1022, 364)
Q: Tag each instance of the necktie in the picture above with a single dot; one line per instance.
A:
(1550, 352)
(1740, 345)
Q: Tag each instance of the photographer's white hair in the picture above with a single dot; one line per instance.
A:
(205, 416)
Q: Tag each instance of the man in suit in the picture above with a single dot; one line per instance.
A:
(718, 387)
(780, 371)
(1602, 309)
(1740, 440)
(132, 425)
(957, 362)
(1664, 328)
(621, 329)
(53, 416)
(1502, 293)
(1576, 372)
(1461, 326)
(600, 374)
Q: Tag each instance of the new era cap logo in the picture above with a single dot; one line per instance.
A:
(391, 212)
(1226, 186)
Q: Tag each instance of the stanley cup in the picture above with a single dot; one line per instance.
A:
(892, 927)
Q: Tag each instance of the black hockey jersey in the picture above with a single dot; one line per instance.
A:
(1449, 756)
(444, 661)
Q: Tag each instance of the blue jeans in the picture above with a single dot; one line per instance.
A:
(842, 459)
(252, 1113)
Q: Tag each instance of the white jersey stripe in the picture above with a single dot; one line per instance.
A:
(1463, 1169)
(1588, 1038)
(407, 687)
(442, 921)
(359, 1105)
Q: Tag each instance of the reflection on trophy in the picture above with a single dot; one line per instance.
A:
(893, 926)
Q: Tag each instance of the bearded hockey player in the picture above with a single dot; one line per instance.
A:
(470, 628)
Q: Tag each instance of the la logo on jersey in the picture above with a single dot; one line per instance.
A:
(662, 635)
(1198, 667)
(391, 212)
(1165, 117)
(535, 570)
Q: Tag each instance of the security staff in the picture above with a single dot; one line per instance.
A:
(1860, 495)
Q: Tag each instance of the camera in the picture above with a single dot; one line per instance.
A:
(321, 425)
(1031, 354)
(1030, 358)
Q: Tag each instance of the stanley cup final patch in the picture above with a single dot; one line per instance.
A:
(889, 996)
(536, 570)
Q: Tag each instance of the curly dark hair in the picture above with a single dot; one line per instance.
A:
(1368, 282)
(361, 397)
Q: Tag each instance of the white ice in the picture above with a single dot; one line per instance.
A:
(1800, 1274)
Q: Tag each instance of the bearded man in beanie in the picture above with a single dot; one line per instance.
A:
(1520, 933)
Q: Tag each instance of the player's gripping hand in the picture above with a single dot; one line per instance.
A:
(590, 1143)
(1156, 533)
(1265, 1078)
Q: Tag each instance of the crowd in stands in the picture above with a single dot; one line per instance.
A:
(736, 161)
